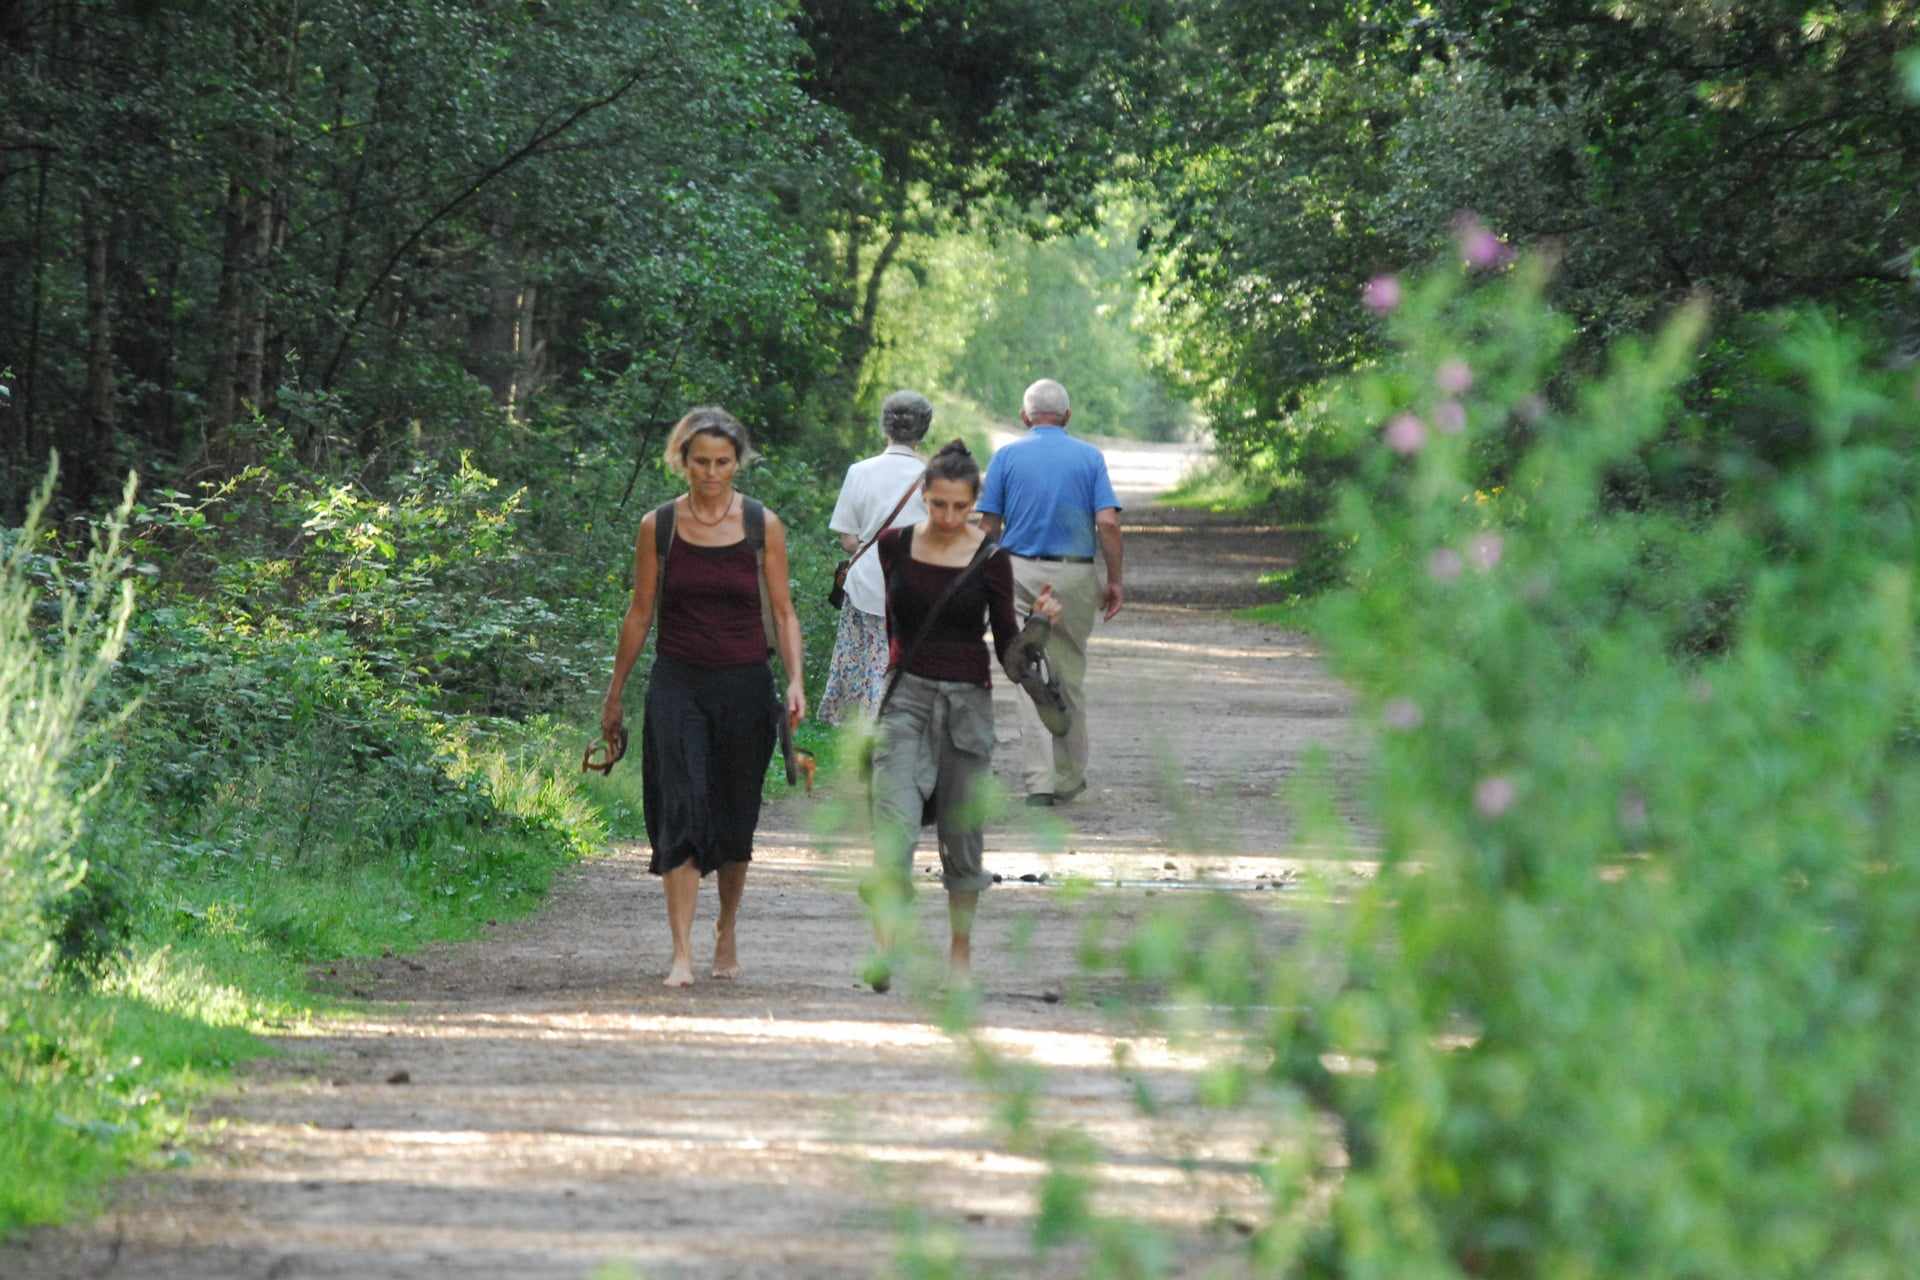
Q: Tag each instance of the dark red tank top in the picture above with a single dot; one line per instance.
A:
(710, 606)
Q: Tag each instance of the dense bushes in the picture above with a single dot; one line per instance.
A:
(347, 717)
(1629, 994)
(1760, 152)
(1633, 974)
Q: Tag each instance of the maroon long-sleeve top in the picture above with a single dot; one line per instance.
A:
(955, 649)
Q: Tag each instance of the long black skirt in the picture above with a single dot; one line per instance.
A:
(705, 745)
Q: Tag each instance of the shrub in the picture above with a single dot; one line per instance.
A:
(1631, 973)
(1630, 992)
(58, 638)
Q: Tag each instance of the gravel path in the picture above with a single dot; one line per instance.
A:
(535, 1104)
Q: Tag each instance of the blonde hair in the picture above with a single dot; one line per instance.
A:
(706, 420)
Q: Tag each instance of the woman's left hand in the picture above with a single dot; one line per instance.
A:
(796, 705)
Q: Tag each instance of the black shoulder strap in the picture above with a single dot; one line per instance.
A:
(663, 528)
(754, 516)
(662, 543)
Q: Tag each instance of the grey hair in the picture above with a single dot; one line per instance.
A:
(707, 420)
(905, 417)
(1045, 396)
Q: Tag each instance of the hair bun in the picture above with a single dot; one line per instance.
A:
(954, 448)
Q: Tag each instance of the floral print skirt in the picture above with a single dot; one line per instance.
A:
(857, 675)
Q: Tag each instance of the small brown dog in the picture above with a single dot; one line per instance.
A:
(803, 761)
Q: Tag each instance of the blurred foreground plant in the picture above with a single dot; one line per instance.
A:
(58, 639)
(1630, 985)
(1630, 993)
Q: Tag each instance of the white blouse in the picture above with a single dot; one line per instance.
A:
(871, 488)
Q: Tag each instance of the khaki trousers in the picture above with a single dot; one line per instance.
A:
(935, 739)
(1049, 764)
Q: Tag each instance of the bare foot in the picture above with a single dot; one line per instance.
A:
(681, 975)
(726, 961)
(960, 962)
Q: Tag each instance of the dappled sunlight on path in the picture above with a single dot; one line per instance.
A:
(535, 1104)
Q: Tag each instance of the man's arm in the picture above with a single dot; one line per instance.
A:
(990, 524)
(1106, 524)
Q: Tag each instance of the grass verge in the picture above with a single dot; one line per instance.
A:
(1215, 486)
(99, 1073)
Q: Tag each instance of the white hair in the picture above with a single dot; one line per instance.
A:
(1045, 396)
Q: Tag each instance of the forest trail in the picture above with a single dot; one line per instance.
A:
(535, 1104)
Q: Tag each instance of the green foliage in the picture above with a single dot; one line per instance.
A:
(1629, 972)
(59, 637)
(1019, 101)
(1627, 994)
(1755, 153)
(90, 1085)
(354, 218)
(976, 317)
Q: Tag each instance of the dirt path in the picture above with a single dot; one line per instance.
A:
(535, 1104)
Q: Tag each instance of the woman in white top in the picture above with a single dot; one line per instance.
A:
(858, 674)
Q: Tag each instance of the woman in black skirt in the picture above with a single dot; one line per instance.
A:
(711, 719)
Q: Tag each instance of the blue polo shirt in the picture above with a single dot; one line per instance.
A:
(1045, 488)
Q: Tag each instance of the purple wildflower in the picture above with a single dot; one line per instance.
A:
(1454, 377)
(1482, 249)
(1381, 294)
(1494, 796)
(1444, 565)
(1406, 434)
(1484, 550)
(1449, 418)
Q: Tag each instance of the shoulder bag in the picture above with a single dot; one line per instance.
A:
(837, 597)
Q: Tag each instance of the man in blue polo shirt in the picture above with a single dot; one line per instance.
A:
(1049, 501)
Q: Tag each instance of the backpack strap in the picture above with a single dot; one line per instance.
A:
(663, 528)
(662, 544)
(754, 516)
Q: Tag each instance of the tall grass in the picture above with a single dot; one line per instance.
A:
(58, 640)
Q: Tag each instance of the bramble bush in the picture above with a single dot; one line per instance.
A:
(1630, 993)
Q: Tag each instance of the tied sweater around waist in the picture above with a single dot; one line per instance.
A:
(955, 649)
(710, 606)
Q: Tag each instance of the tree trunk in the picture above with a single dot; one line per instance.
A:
(25, 461)
(226, 386)
(91, 450)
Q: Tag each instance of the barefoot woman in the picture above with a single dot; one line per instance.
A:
(710, 725)
(935, 733)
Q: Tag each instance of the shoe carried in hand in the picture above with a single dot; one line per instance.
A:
(1027, 666)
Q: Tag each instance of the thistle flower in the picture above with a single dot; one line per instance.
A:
(1482, 249)
(1406, 434)
(1494, 796)
(1484, 550)
(1381, 294)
